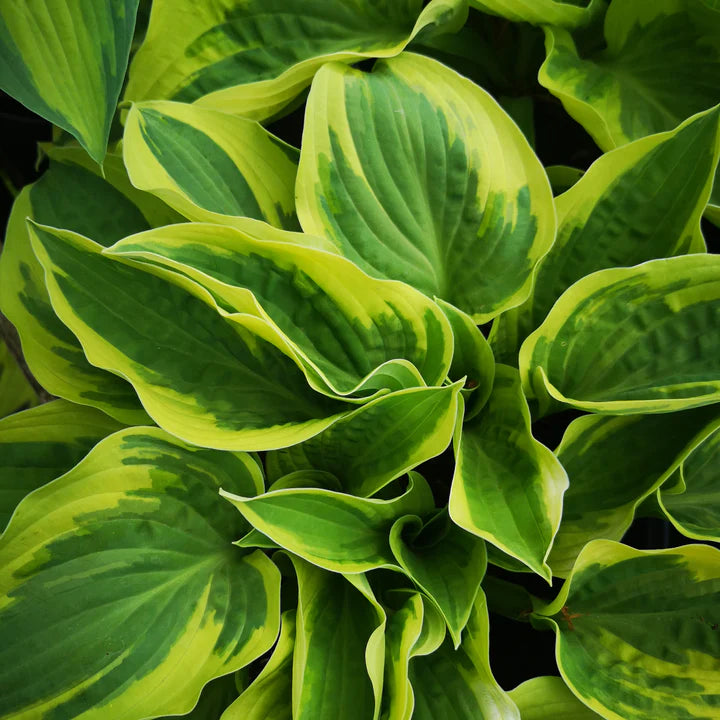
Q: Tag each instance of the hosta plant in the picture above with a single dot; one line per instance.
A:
(342, 368)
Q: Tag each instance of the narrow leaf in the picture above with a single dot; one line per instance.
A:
(335, 531)
(378, 442)
(507, 488)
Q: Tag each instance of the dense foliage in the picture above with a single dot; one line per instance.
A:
(292, 465)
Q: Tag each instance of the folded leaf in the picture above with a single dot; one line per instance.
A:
(507, 488)
(613, 464)
(39, 445)
(66, 61)
(639, 202)
(568, 14)
(66, 196)
(472, 359)
(417, 174)
(335, 626)
(254, 57)
(631, 340)
(695, 512)
(637, 631)
(16, 393)
(378, 442)
(349, 331)
(122, 575)
(269, 696)
(404, 628)
(445, 562)
(549, 697)
(213, 381)
(335, 531)
(458, 684)
(210, 166)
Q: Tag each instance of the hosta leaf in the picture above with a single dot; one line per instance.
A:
(210, 166)
(66, 61)
(417, 174)
(404, 627)
(659, 67)
(154, 210)
(614, 463)
(631, 340)
(40, 444)
(67, 196)
(445, 562)
(254, 57)
(122, 591)
(639, 202)
(458, 684)
(269, 696)
(205, 378)
(568, 14)
(333, 530)
(348, 330)
(547, 697)
(378, 442)
(507, 488)
(472, 359)
(637, 634)
(695, 512)
(16, 393)
(337, 624)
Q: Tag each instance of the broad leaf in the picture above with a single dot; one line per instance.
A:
(123, 573)
(269, 696)
(639, 202)
(71, 197)
(16, 393)
(210, 380)
(546, 697)
(458, 684)
(333, 530)
(695, 511)
(445, 562)
(631, 340)
(66, 61)
(507, 488)
(254, 57)
(351, 333)
(210, 166)
(39, 445)
(637, 634)
(568, 14)
(614, 463)
(337, 624)
(378, 442)
(417, 174)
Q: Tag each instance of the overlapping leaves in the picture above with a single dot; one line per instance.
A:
(321, 306)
